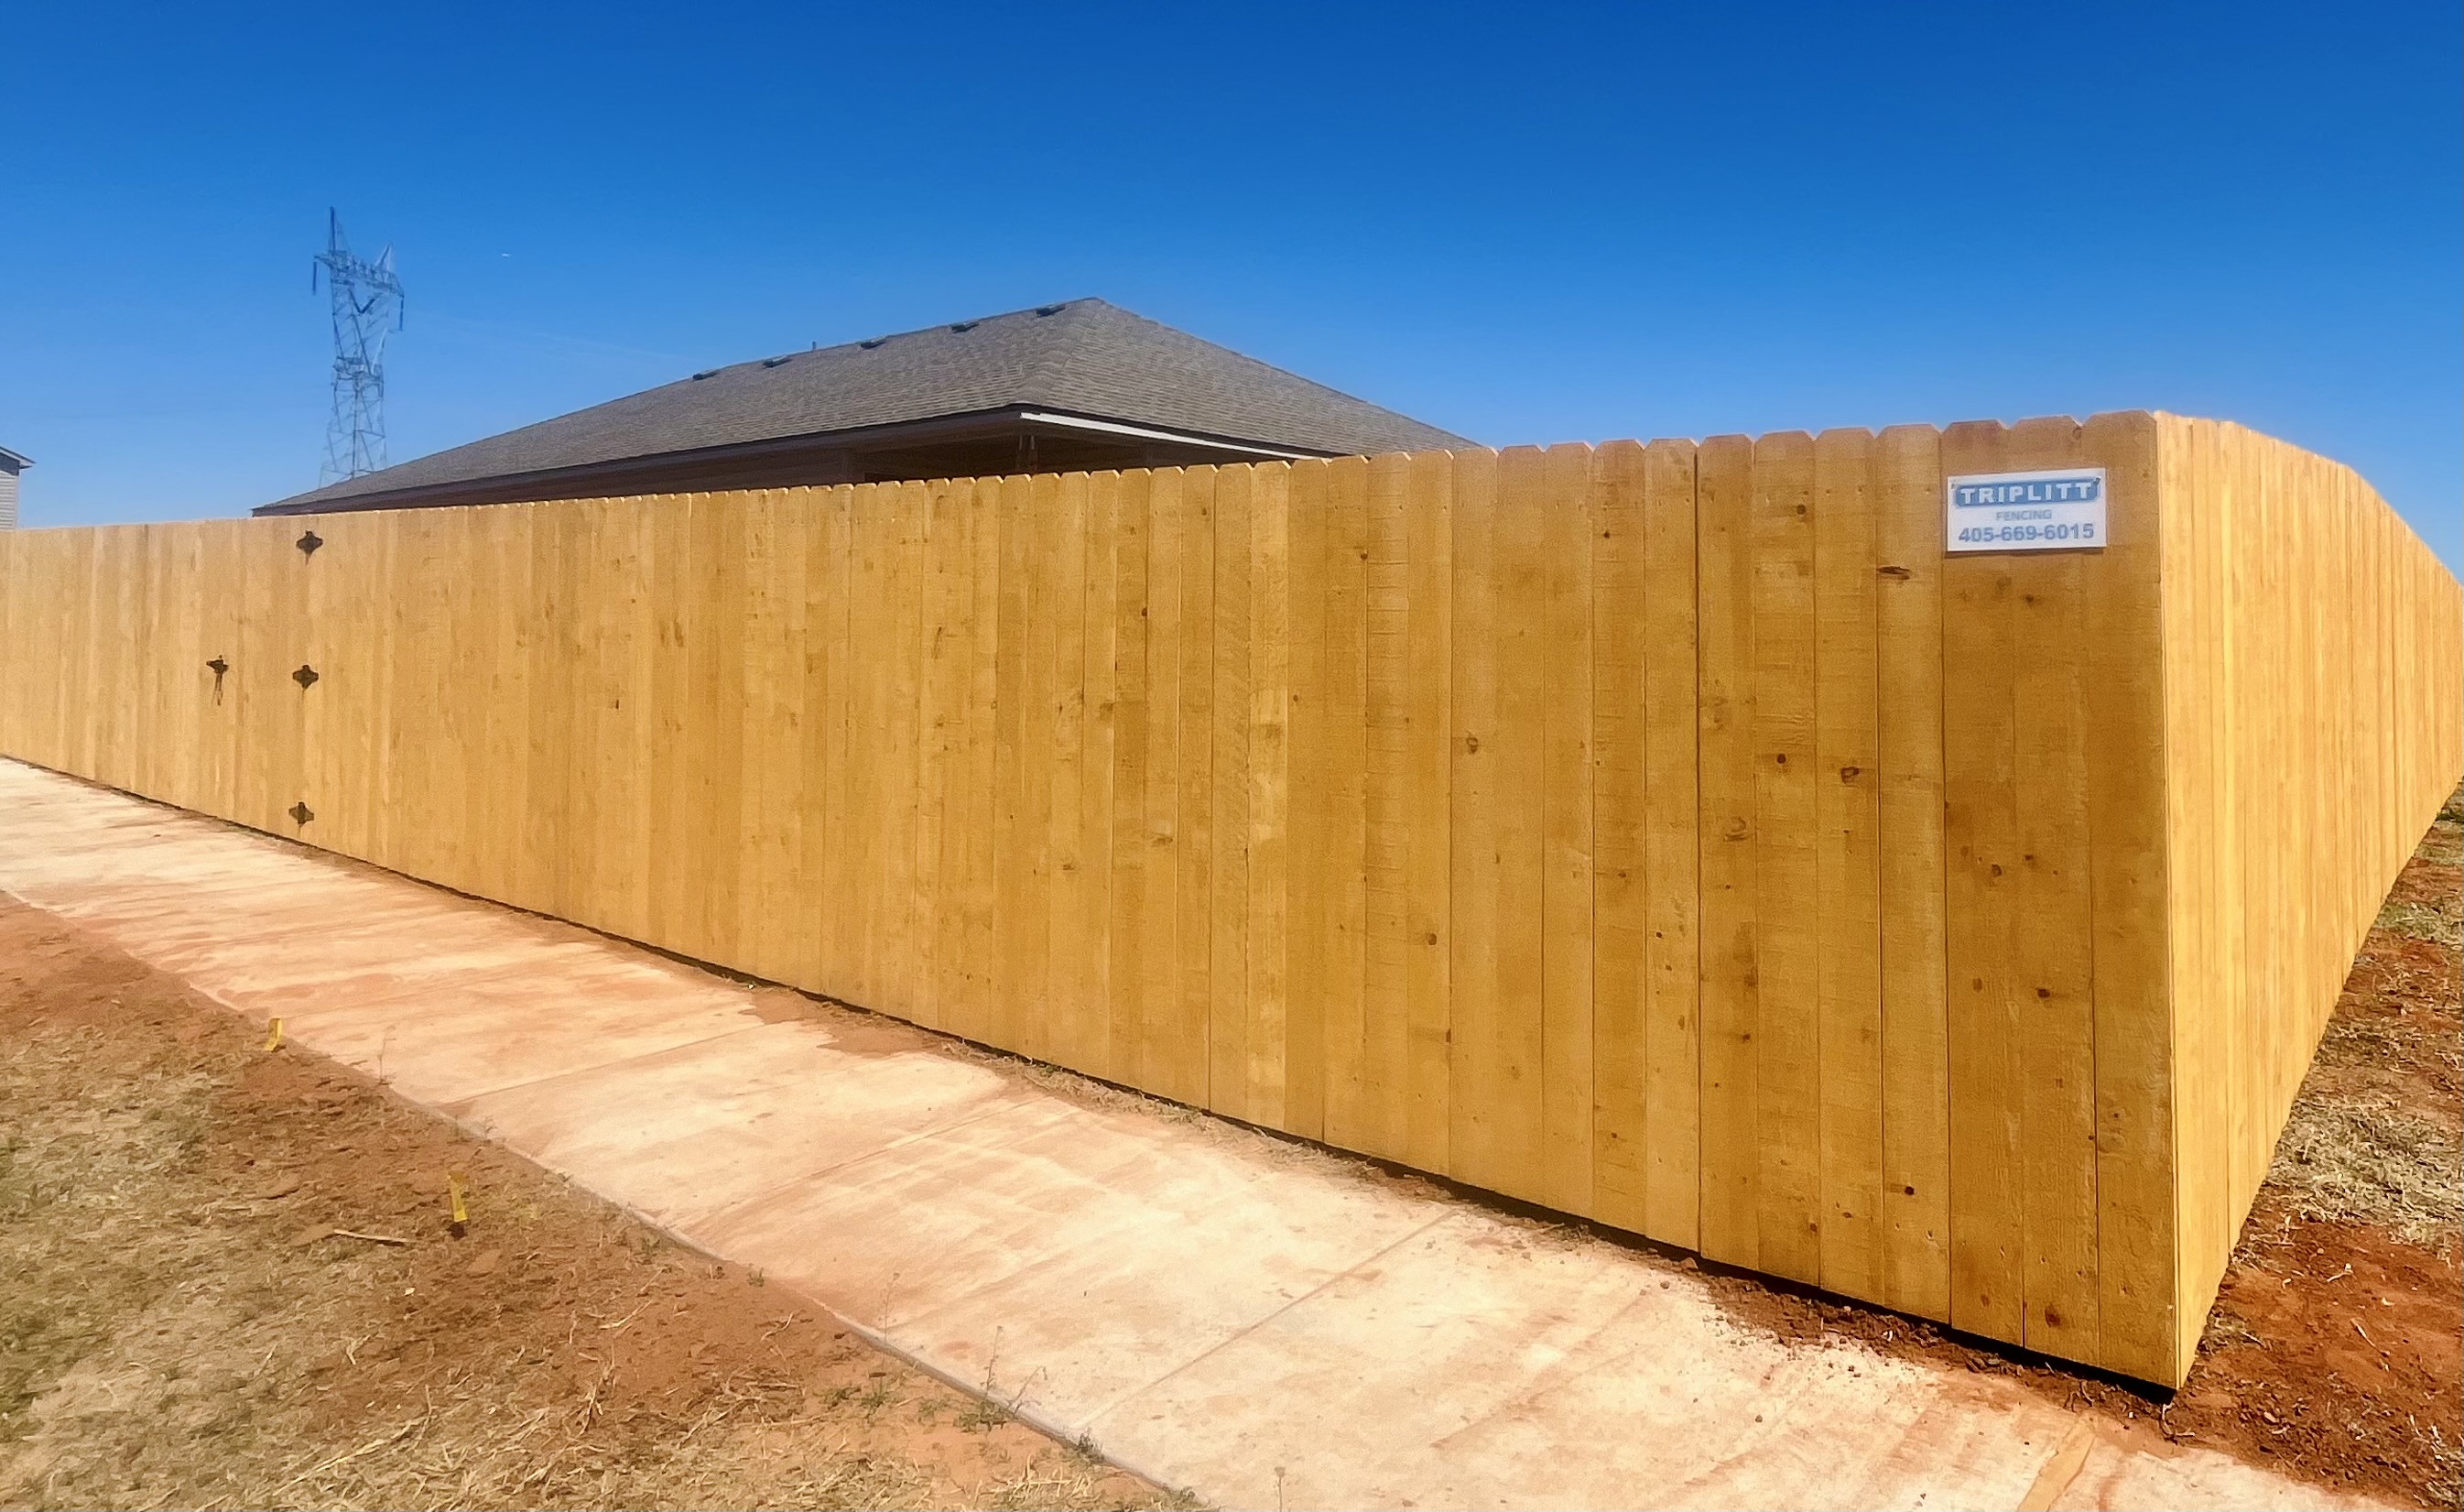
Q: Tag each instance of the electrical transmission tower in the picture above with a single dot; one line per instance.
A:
(367, 308)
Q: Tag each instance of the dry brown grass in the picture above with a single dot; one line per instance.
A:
(173, 1331)
(2347, 1162)
(2448, 833)
(2420, 921)
(2429, 905)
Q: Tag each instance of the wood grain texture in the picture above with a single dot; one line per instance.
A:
(944, 569)
(2310, 702)
(2053, 966)
(554, 659)
(1266, 919)
(1672, 846)
(1515, 1057)
(1161, 1027)
(2135, 1037)
(1362, 838)
(961, 962)
(1847, 774)
(1473, 1062)
(1314, 1042)
(1730, 953)
(1102, 654)
(1787, 1044)
(1063, 704)
(1190, 1061)
(1981, 881)
(829, 684)
(1229, 1021)
(1426, 486)
(1567, 1136)
(1129, 837)
(1916, 1093)
(1621, 619)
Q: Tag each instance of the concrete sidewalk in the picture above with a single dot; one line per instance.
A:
(1263, 1323)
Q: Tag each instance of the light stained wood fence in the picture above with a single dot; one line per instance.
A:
(1668, 835)
(2312, 726)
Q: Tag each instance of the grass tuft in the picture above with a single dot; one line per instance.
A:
(2347, 1162)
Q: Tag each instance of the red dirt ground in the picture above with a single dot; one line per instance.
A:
(182, 1326)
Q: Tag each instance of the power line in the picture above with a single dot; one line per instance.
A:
(367, 308)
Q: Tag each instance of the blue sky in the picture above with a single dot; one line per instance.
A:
(1523, 223)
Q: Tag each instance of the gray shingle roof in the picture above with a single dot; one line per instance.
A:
(1085, 357)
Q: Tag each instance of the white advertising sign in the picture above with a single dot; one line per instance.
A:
(2061, 509)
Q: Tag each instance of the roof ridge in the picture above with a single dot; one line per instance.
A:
(875, 343)
(1063, 346)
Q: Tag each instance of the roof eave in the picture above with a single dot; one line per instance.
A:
(582, 472)
(1040, 416)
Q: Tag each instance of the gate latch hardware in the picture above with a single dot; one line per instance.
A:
(305, 676)
(301, 813)
(309, 542)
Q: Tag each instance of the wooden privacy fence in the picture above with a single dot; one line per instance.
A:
(1669, 835)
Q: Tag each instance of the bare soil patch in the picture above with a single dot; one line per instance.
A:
(234, 1280)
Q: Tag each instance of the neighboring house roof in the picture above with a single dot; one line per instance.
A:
(16, 459)
(1086, 357)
